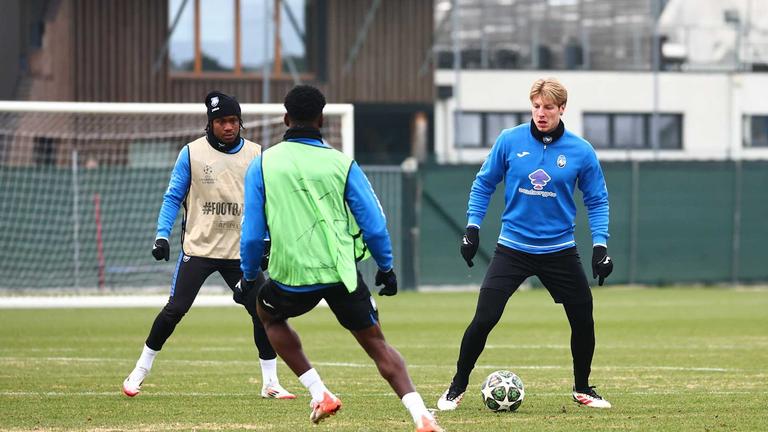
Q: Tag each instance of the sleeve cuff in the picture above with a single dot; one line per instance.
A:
(251, 276)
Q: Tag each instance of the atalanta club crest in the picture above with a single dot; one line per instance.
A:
(561, 161)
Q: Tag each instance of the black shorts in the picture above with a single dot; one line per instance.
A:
(560, 272)
(355, 310)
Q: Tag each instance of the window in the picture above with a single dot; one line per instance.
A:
(469, 129)
(629, 131)
(756, 131)
(670, 131)
(632, 130)
(238, 37)
(597, 130)
(497, 122)
(480, 129)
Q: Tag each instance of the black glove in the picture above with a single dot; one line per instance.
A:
(389, 280)
(161, 249)
(469, 244)
(243, 287)
(265, 255)
(602, 264)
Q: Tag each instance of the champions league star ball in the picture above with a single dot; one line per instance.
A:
(502, 391)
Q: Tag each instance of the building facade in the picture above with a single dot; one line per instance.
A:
(370, 54)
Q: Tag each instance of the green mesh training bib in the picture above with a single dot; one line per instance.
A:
(315, 238)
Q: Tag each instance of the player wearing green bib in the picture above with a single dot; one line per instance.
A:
(323, 217)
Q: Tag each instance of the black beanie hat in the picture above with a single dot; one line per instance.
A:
(218, 104)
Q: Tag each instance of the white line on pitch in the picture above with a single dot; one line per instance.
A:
(359, 365)
(529, 393)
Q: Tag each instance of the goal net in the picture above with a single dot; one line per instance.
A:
(81, 185)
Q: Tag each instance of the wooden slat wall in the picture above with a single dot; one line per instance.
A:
(387, 66)
(118, 41)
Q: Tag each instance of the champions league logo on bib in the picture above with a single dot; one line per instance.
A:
(208, 177)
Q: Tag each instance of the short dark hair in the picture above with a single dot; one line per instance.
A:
(304, 103)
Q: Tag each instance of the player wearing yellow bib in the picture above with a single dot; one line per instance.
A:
(318, 205)
(208, 181)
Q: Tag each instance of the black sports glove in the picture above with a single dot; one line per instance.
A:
(242, 289)
(602, 264)
(389, 280)
(161, 249)
(265, 256)
(469, 244)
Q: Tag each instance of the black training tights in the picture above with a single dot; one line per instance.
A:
(490, 306)
(582, 341)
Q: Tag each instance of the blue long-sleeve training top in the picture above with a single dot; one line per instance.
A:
(539, 181)
(177, 190)
(359, 195)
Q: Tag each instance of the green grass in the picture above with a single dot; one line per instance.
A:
(668, 359)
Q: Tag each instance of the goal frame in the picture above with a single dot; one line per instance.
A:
(345, 111)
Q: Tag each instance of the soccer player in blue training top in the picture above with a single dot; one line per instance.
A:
(541, 163)
(208, 180)
(322, 214)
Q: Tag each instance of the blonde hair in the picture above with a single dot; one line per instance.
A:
(550, 88)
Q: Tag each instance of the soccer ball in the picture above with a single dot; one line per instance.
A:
(502, 391)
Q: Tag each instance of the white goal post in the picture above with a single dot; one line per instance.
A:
(345, 112)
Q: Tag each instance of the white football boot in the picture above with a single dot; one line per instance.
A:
(588, 397)
(450, 399)
(276, 391)
(132, 384)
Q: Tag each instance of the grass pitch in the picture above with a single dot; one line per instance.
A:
(668, 360)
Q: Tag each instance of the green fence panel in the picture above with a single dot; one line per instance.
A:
(685, 217)
(445, 193)
(387, 182)
(618, 177)
(671, 222)
(36, 243)
(45, 246)
(753, 236)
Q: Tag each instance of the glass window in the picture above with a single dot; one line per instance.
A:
(262, 36)
(254, 29)
(292, 35)
(632, 131)
(181, 48)
(497, 122)
(597, 130)
(671, 131)
(469, 130)
(756, 132)
(629, 131)
(217, 35)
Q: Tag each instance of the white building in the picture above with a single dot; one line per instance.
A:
(709, 94)
(703, 116)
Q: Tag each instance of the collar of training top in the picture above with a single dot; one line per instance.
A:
(223, 147)
(303, 132)
(549, 137)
